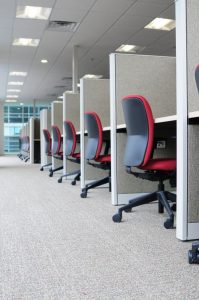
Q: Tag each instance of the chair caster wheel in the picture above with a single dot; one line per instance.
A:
(51, 175)
(41, 169)
(59, 180)
(73, 182)
(128, 210)
(190, 257)
(117, 218)
(168, 224)
(83, 194)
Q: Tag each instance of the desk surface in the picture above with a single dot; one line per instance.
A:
(166, 119)
(193, 114)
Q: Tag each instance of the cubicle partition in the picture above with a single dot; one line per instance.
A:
(34, 137)
(154, 78)
(71, 112)
(94, 96)
(57, 119)
(187, 51)
(45, 123)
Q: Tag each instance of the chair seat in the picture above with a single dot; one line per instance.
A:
(104, 158)
(160, 164)
(76, 155)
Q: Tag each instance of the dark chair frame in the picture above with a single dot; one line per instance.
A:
(70, 151)
(93, 155)
(138, 153)
(56, 148)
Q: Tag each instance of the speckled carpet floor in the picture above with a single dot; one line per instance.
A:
(55, 245)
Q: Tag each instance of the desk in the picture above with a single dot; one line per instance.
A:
(124, 186)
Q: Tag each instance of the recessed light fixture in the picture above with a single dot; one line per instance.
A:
(12, 96)
(26, 42)
(92, 76)
(15, 73)
(161, 24)
(13, 91)
(21, 103)
(15, 83)
(33, 12)
(129, 48)
(44, 61)
(78, 85)
(11, 100)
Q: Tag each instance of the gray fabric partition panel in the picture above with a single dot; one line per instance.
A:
(193, 174)
(97, 98)
(154, 78)
(193, 52)
(193, 105)
(37, 129)
(71, 111)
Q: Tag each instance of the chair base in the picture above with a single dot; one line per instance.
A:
(44, 166)
(162, 196)
(95, 184)
(52, 171)
(77, 177)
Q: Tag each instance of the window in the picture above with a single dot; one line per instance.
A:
(14, 118)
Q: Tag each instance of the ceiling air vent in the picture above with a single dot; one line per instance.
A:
(67, 78)
(52, 95)
(60, 86)
(63, 26)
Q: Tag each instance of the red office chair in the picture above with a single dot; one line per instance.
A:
(56, 148)
(70, 150)
(93, 155)
(47, 141)
(197, 77)
(138, 153)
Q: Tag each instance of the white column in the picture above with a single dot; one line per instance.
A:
(182, 102)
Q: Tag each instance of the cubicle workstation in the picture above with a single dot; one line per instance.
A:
(34, 135)
(57, 120)
(94, 97)
(152, 77)
(71, 112)
(45, 123)
(187, 53)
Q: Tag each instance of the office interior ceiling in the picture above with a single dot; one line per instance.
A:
(103, 26)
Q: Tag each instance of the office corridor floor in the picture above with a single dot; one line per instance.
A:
(55, 245)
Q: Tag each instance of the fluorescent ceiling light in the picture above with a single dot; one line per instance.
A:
(21, 103)
(13, 91)
(92, 76)
(44, 61)
(15, 73)
(33, 12)
(12, 96)
(15, 83)
(161, 24)
(26, 42)
(61, 97)
(11, 101)
(129, 48)
(78, 85)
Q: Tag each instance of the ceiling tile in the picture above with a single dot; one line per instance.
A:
(29, 28)
(74, 4)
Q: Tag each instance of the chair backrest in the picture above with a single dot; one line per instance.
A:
(56, 140)
(70, 139)
(95, 140)
(47, 139)
(140, 130)
(197, 77)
